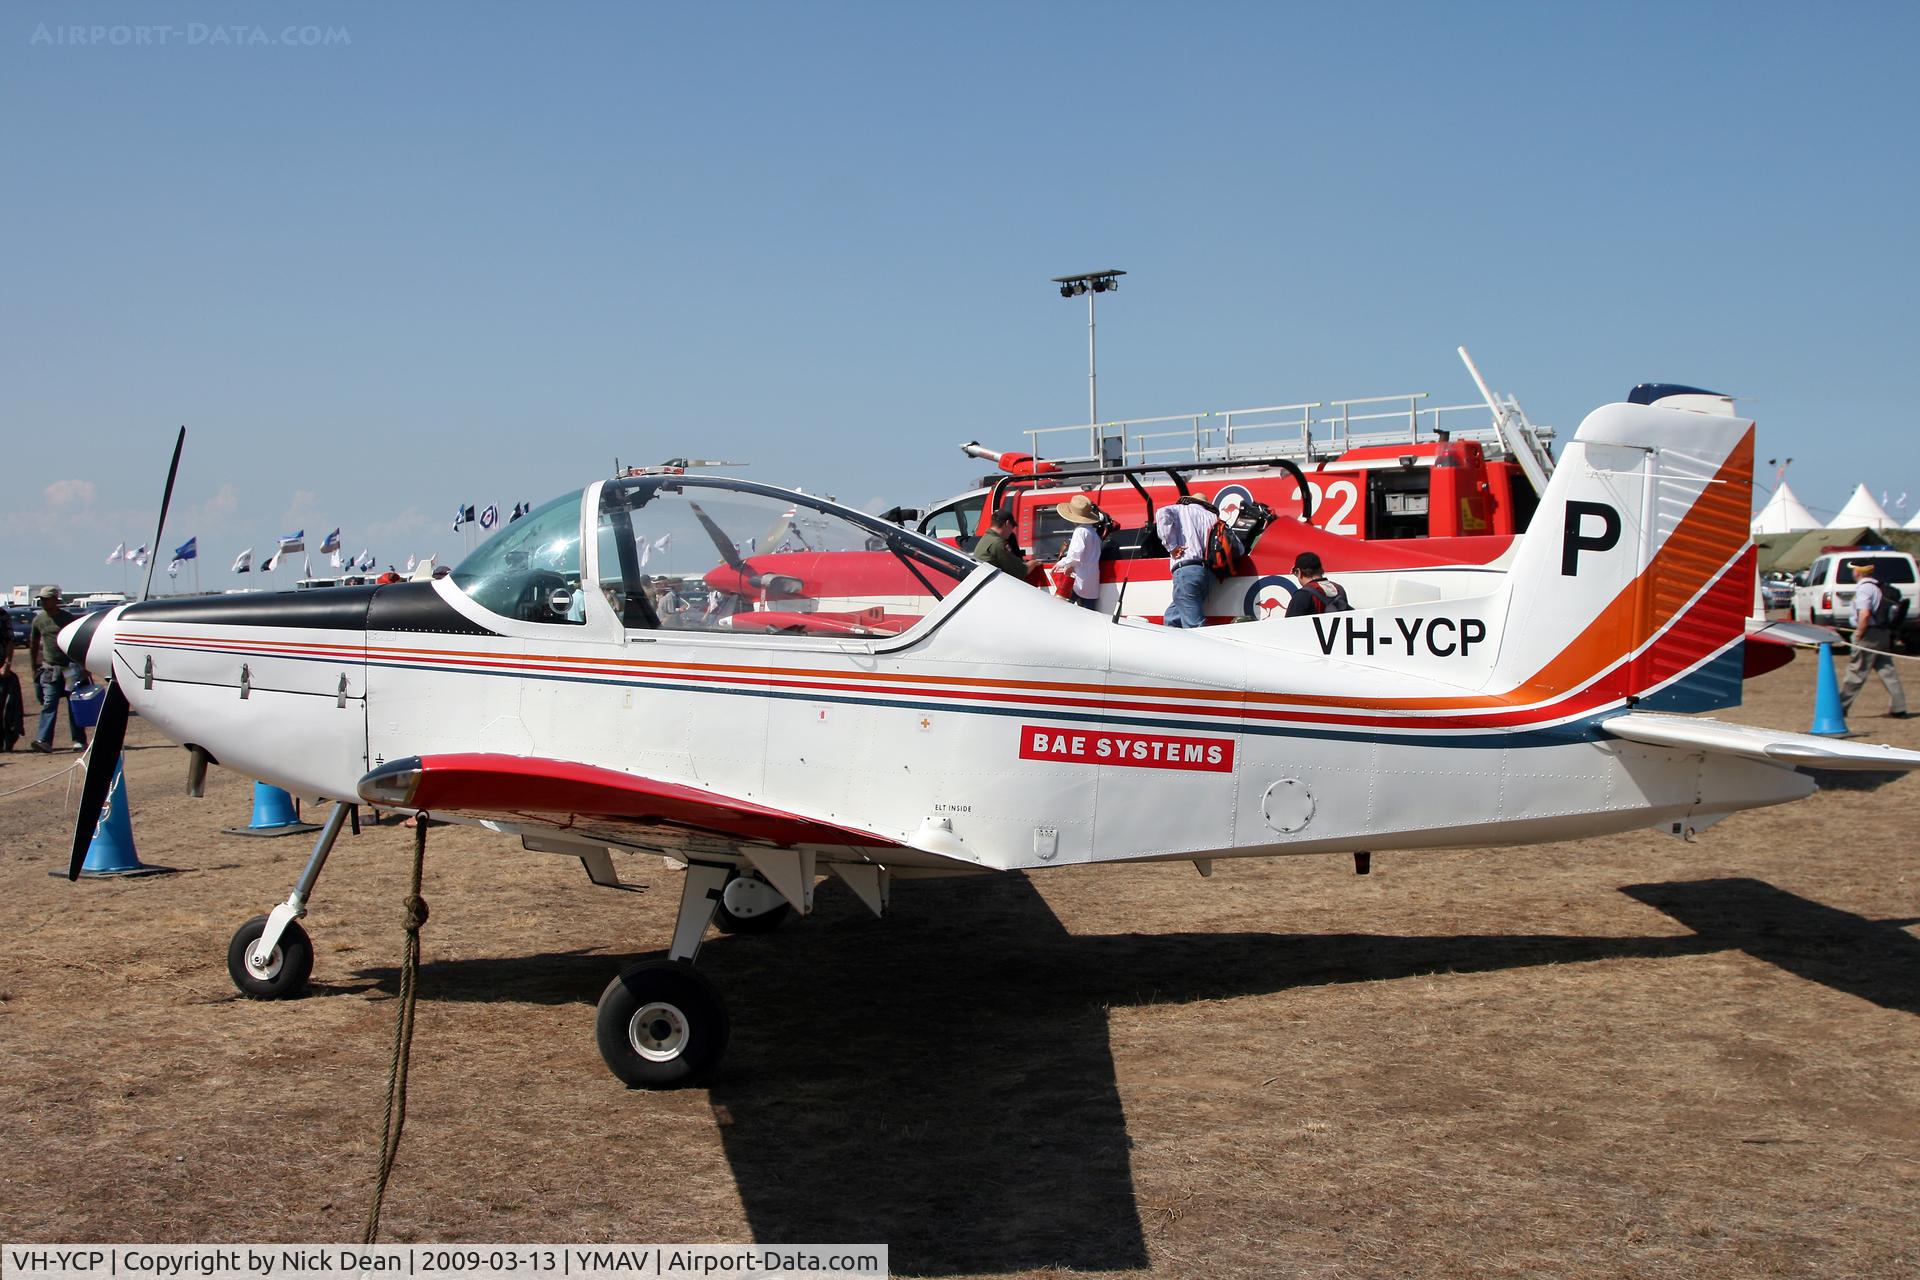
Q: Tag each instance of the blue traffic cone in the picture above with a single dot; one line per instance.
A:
(273, 815)
(112, 852)
(1829, 720)
(272, 808)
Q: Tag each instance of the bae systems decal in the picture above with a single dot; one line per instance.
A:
(1136, 750)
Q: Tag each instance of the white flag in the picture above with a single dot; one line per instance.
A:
(138, 555)
(363, 561)
(410, 563)
(173, 568)
(243, 563)
(333, 556)
(117, 553)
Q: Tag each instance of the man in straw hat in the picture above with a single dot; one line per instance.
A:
(1872, 642)
(1082, 556)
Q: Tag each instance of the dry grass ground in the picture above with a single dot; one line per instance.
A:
(1626, 1057)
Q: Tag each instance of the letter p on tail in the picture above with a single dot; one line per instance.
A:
(1636, 575)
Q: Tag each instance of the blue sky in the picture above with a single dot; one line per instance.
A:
(474, 252)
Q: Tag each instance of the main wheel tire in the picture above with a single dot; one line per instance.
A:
(760, 922)
(661, 1025)
(287, 971)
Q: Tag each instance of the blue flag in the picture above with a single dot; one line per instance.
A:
(188, 550)
(332, 542)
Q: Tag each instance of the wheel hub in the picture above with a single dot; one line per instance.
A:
(266, 967)
(658, 1031)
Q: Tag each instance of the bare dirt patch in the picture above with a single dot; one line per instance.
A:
(1624, 1057)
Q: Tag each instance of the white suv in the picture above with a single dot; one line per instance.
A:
(1824, 593)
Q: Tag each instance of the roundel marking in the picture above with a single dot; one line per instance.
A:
(1268, 597)
(1230, 499)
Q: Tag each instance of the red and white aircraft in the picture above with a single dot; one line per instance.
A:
(971, 724)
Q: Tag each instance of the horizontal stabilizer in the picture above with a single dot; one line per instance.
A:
(1689, 733)
(1801, 635)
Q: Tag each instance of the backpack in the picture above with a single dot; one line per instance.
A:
(1222, 550)
(1891, 612)
(1326, 597)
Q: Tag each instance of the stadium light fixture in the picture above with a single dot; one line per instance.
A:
(1090, 283)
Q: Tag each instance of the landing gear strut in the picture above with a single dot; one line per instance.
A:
(271, 957)
(661, 1025)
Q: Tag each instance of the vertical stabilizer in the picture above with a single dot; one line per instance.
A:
(1636, 574)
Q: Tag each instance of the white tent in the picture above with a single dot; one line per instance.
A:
(1913, 523)
(1784, 513)
(1863, 510)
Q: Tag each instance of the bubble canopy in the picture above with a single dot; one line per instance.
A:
(715, 554)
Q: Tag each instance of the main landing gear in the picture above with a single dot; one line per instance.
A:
(271, 957)
(661, 1024)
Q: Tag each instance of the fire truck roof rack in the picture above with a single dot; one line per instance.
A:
(1307, 432)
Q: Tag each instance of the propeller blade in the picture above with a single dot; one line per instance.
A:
(166, 499)
(108, 736)
(722, 544)
(110, 733)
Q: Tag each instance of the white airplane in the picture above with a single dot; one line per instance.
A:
(991, 727)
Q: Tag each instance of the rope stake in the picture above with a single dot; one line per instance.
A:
(416, 915)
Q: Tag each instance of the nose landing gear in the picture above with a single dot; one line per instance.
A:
(270, 956)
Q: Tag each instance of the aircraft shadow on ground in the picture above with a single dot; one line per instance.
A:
(943, 1080)
(1874, 960)
(1852, 779)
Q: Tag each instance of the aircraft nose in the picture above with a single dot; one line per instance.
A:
(89, 642)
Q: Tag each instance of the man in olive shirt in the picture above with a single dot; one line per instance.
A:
(56, 677)
(995, 546)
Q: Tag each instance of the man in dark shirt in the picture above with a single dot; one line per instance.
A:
(1316, 594)
(12, 702)
(56, 677)
(995, 546)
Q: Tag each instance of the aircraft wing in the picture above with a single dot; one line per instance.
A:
(566, 794)
(1691, 733)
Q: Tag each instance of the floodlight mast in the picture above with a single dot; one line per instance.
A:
(1090, 283)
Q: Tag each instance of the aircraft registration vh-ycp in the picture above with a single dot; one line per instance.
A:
(942, 718)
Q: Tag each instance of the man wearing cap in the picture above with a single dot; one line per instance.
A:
(995, 546)
(1082, 556)
(56, 677)
(1872, 644)
(1315, 594)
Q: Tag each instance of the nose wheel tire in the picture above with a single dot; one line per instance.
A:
(282, 975)
(661, 1025)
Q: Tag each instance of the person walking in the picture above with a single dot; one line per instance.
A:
(1081, 559)
(1183, 529)
(1872, 643)
(57, 678)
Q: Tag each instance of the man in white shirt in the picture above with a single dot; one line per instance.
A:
(1872, 644)
(1082, 556)
(1183, 529)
